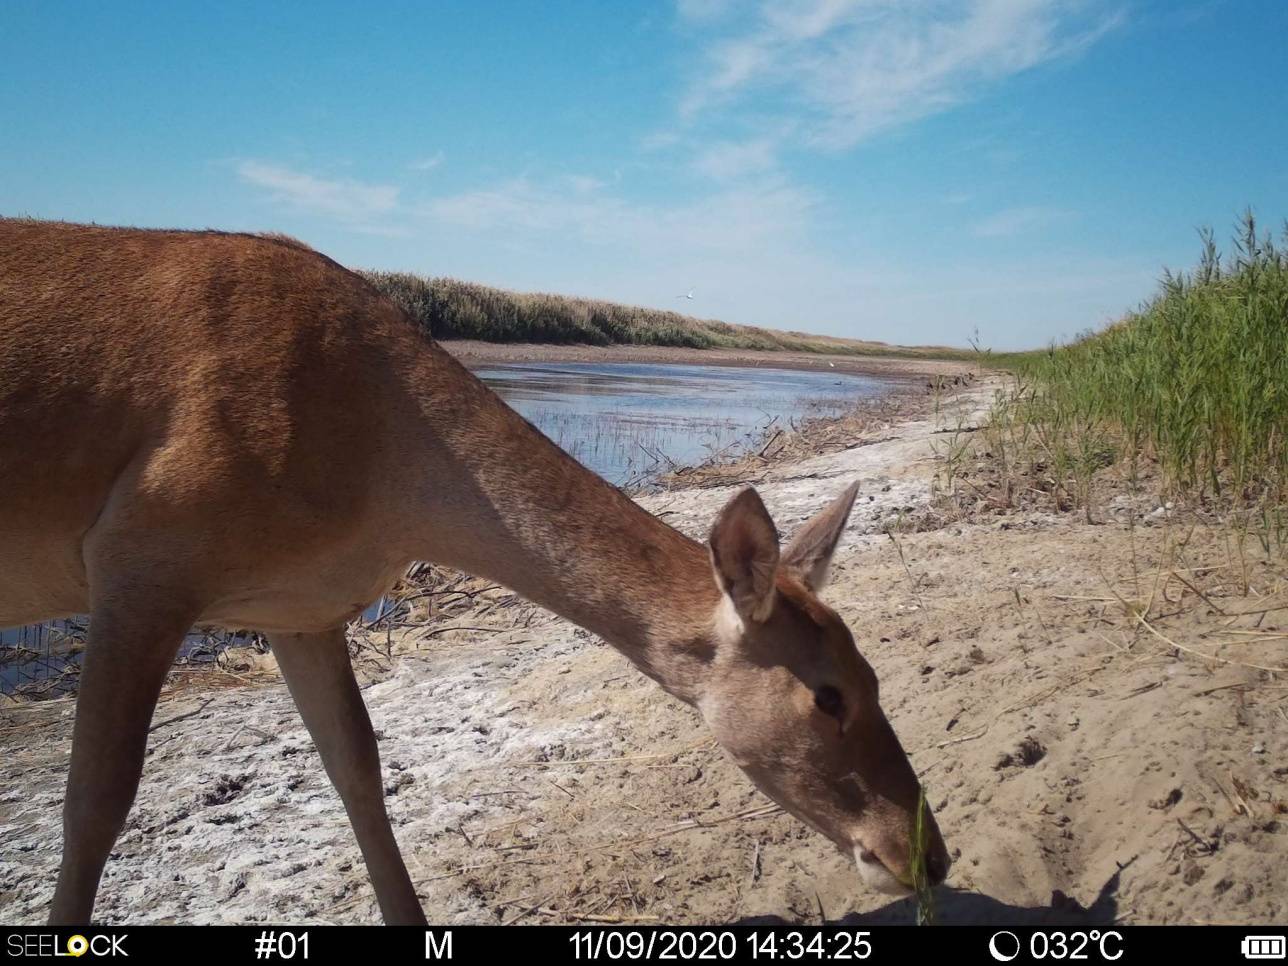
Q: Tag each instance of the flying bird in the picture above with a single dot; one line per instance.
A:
(689, 296)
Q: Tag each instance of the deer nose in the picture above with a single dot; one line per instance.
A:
(937, 865)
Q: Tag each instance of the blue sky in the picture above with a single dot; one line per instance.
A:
(908, 171)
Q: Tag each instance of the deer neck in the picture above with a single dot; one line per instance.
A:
(499, 500)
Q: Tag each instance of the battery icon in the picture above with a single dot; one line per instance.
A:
(1263, 947)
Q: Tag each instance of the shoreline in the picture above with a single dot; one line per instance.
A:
(475, 353)
(523, 758)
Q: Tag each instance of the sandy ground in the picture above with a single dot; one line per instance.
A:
(1083, 771)
(476, 353)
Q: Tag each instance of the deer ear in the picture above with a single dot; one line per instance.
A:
(809, 553)
(744, 555)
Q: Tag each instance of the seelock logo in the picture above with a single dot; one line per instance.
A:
(46, 945)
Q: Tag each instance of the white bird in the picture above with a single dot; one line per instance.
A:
(689, 296)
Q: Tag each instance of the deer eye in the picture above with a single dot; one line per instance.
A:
(830, 701)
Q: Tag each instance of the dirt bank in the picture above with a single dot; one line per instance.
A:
(477, 353)
(1082, 772)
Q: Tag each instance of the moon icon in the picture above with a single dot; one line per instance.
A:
(1010, 942)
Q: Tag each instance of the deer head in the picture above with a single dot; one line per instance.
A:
(795, 703)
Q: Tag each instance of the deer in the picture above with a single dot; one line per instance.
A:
(233, 430)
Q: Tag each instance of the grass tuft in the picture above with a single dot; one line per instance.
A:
(921, 886)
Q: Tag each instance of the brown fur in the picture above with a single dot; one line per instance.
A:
(233, 429)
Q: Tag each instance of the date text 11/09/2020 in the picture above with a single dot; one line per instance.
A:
(793, 945)
(664, 944)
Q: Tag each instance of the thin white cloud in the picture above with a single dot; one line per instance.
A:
(346, 199)
(659, 140)
(737, 220)
(844, 70)
(1016, 221)
(704, 11)
(428, 163)
(585, 184)
(726, 160)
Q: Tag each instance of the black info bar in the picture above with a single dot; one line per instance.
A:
(648, 944)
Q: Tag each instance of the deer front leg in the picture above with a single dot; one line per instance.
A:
(129, 653)
(320, 678)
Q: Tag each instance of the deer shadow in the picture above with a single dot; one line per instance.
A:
(961, 907)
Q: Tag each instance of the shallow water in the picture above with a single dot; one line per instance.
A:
(626, 421)
(47, 657)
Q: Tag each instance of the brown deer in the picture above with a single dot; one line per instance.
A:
(233, 430)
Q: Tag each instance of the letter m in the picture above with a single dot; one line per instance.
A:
(438, 947)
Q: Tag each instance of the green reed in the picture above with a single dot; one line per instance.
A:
(1196, 380)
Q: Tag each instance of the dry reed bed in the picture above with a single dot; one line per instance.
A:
(452, 309)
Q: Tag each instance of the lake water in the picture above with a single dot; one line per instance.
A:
(626, 421)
